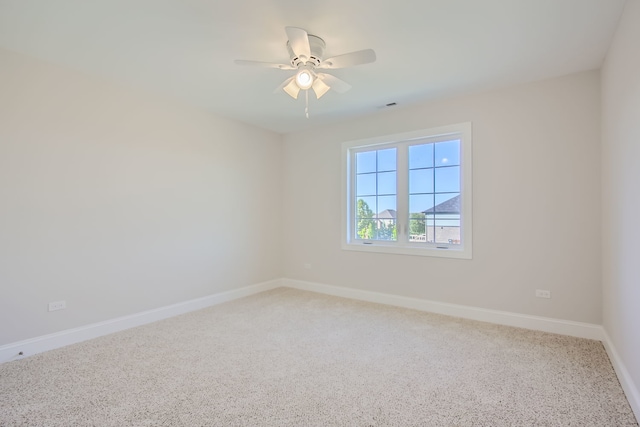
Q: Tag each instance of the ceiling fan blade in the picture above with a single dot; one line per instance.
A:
(299, 42)
(320, 87)
(349, 59)
(334, 83)
(264, 64)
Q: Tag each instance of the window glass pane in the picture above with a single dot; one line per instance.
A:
(365, 228)
(420, 203)
(366, 162)
(387, 160)
(376, 195)
(421, 181)
(386, 230)
(365, 222)
(366, 184)
(447, 229)
(387, 183)
(385, 203)
(448, 203)
(366, 207)
(430, 232)
(386, 224)
(417, 227)
(448, 179)
(446, 220)
(421, 156)
(447, 153)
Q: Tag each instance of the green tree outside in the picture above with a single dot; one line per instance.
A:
(367, 228)
(417, 224)
(366, 223)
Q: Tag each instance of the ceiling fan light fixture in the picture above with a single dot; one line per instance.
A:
(320, 87)
(292, 89)
(304, 79)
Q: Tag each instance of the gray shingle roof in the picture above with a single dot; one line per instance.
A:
(387, 214)
(451, 206)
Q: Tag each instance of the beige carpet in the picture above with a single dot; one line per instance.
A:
(288, 357)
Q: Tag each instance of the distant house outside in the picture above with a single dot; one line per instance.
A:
(442, 223)
(387, 217)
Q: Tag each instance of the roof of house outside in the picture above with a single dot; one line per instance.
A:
(387, 214)
(450, 206)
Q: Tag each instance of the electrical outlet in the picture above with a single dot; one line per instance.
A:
(57, 305)
(307, 265)
(543, 293)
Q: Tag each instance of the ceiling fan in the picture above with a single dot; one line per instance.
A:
(306, 54)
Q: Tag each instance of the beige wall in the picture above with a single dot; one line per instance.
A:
(536, 172)
(621, 192)
(120, 202)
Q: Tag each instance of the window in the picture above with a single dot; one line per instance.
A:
(409, 193)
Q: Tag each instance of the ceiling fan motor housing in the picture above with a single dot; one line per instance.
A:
(316, 45)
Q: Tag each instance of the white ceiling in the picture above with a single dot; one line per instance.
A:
(425, 48)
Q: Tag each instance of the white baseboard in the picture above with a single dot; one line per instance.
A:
(629, 387)
(556, 326)
(21, 349)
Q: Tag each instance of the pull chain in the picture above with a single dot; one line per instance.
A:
(306, 101)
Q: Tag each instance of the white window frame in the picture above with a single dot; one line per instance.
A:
(402, 244)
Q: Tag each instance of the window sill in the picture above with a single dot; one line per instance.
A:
(409, 250)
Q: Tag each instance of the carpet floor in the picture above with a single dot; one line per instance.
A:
(293, 358)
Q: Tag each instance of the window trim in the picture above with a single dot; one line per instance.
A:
(464, 131)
